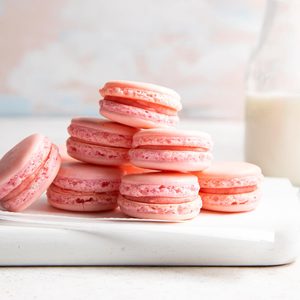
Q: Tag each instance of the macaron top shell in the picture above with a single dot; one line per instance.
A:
(161, 178)
(104, 125)
(22, 161)
(230, 174)
(142, 91)
(85, 177)
(101, 132)
(172, 137)
(85, 171)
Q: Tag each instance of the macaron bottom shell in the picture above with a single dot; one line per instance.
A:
(168, 212)
(97, 154)
(231, 202)
(172, 160)
(135, 116)
(80, 201)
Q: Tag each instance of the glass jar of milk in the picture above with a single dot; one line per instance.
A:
(272, 138)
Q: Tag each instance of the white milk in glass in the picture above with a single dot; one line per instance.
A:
(272, 138)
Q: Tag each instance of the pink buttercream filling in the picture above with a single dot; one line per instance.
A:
(141, 94)
(230, 190)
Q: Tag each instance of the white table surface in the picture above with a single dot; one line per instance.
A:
(282, 282)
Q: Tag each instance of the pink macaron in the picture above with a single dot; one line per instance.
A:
(26, 171)
(160, 195)
(138, 104)
(230, 186)
(85, 188)
(171, 149)
(99, 142)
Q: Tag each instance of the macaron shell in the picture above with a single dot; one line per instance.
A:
(231, 203)
(230, 174)
(101, 132)
(81, 202)
(171, 160)
(77, 176)
(22, 161)
(37, 186)
(172, 137)
(135, 116)
(142, 91)
(96, 154)
(171, 212)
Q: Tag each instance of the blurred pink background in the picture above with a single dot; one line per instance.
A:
(54, 55)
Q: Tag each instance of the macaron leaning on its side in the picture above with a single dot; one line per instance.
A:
(85, 188)
(230, 186)
(138, 104)
(26, 171)
(171, 149)
(99, 141)
(160, 195)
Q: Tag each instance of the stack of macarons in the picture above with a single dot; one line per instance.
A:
(169, 173)
(157, 146)
(138, 137)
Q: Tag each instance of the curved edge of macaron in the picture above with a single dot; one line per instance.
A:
(39, 184)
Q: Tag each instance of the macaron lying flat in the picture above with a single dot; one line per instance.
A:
(99, 142)
(86, 188)
(230, 186)
(171, 149)
(26, 171)
(157, 195)
(138, 104)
